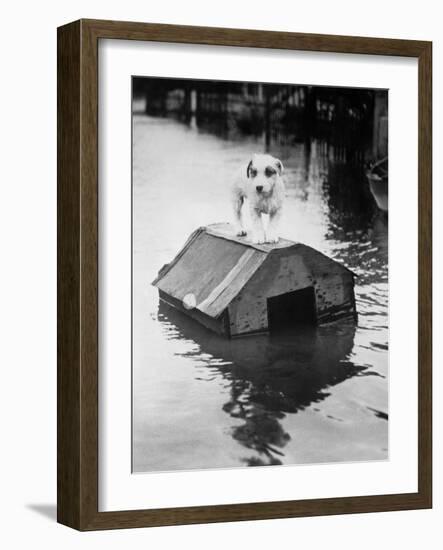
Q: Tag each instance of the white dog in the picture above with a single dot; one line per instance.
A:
(261, 183)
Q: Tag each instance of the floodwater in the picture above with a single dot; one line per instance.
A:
(313, 395)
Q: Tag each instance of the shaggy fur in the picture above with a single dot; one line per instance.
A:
(261, 183)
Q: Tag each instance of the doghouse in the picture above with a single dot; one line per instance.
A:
(234, 287)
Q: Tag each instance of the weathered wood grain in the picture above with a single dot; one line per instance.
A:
(287, 270)
(69, 401)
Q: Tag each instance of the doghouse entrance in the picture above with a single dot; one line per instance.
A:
(292, 308)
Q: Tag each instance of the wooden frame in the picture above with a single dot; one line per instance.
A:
(77, 456)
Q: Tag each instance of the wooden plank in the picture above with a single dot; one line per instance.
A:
(251, 38)
(202, 267)
(77, 171)
(167, 268)
(232, 284)
(218, 325)
(425, 274)
(215, 293)
(68, 276)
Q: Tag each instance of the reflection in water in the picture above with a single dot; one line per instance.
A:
(311, 396)
(270, 375)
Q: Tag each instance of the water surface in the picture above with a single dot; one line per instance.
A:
(311, 395)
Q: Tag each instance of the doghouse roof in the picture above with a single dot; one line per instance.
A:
(214, 265)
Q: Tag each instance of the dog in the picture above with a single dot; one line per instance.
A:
(261, 183)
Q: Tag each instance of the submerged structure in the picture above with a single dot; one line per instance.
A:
(234, 287)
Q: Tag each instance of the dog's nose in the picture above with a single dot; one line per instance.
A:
(259, 188)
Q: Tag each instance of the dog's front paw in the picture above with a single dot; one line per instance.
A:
(272, 239)
(258, 239)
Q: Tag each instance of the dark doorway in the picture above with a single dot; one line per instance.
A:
(292, 308)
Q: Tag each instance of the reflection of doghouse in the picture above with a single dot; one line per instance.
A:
(268, 375)
(234, 287)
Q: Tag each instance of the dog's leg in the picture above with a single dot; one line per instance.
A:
(237, 205)
(258, 233)
(272, 231)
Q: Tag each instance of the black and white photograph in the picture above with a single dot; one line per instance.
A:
(220, 284)
(259, 274)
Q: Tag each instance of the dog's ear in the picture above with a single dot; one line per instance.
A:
(279, 166)
(248, 169)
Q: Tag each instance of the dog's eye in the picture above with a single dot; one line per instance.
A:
(253, 172)
(269, 171)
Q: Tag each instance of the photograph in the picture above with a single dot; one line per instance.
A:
(260, 284)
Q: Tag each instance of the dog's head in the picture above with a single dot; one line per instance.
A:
(263, 172)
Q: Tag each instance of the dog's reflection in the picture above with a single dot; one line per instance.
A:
(271, 375)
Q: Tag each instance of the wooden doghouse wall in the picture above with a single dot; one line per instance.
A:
(279, 274)
(334, 293)
(286, 271)
(219, 325)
